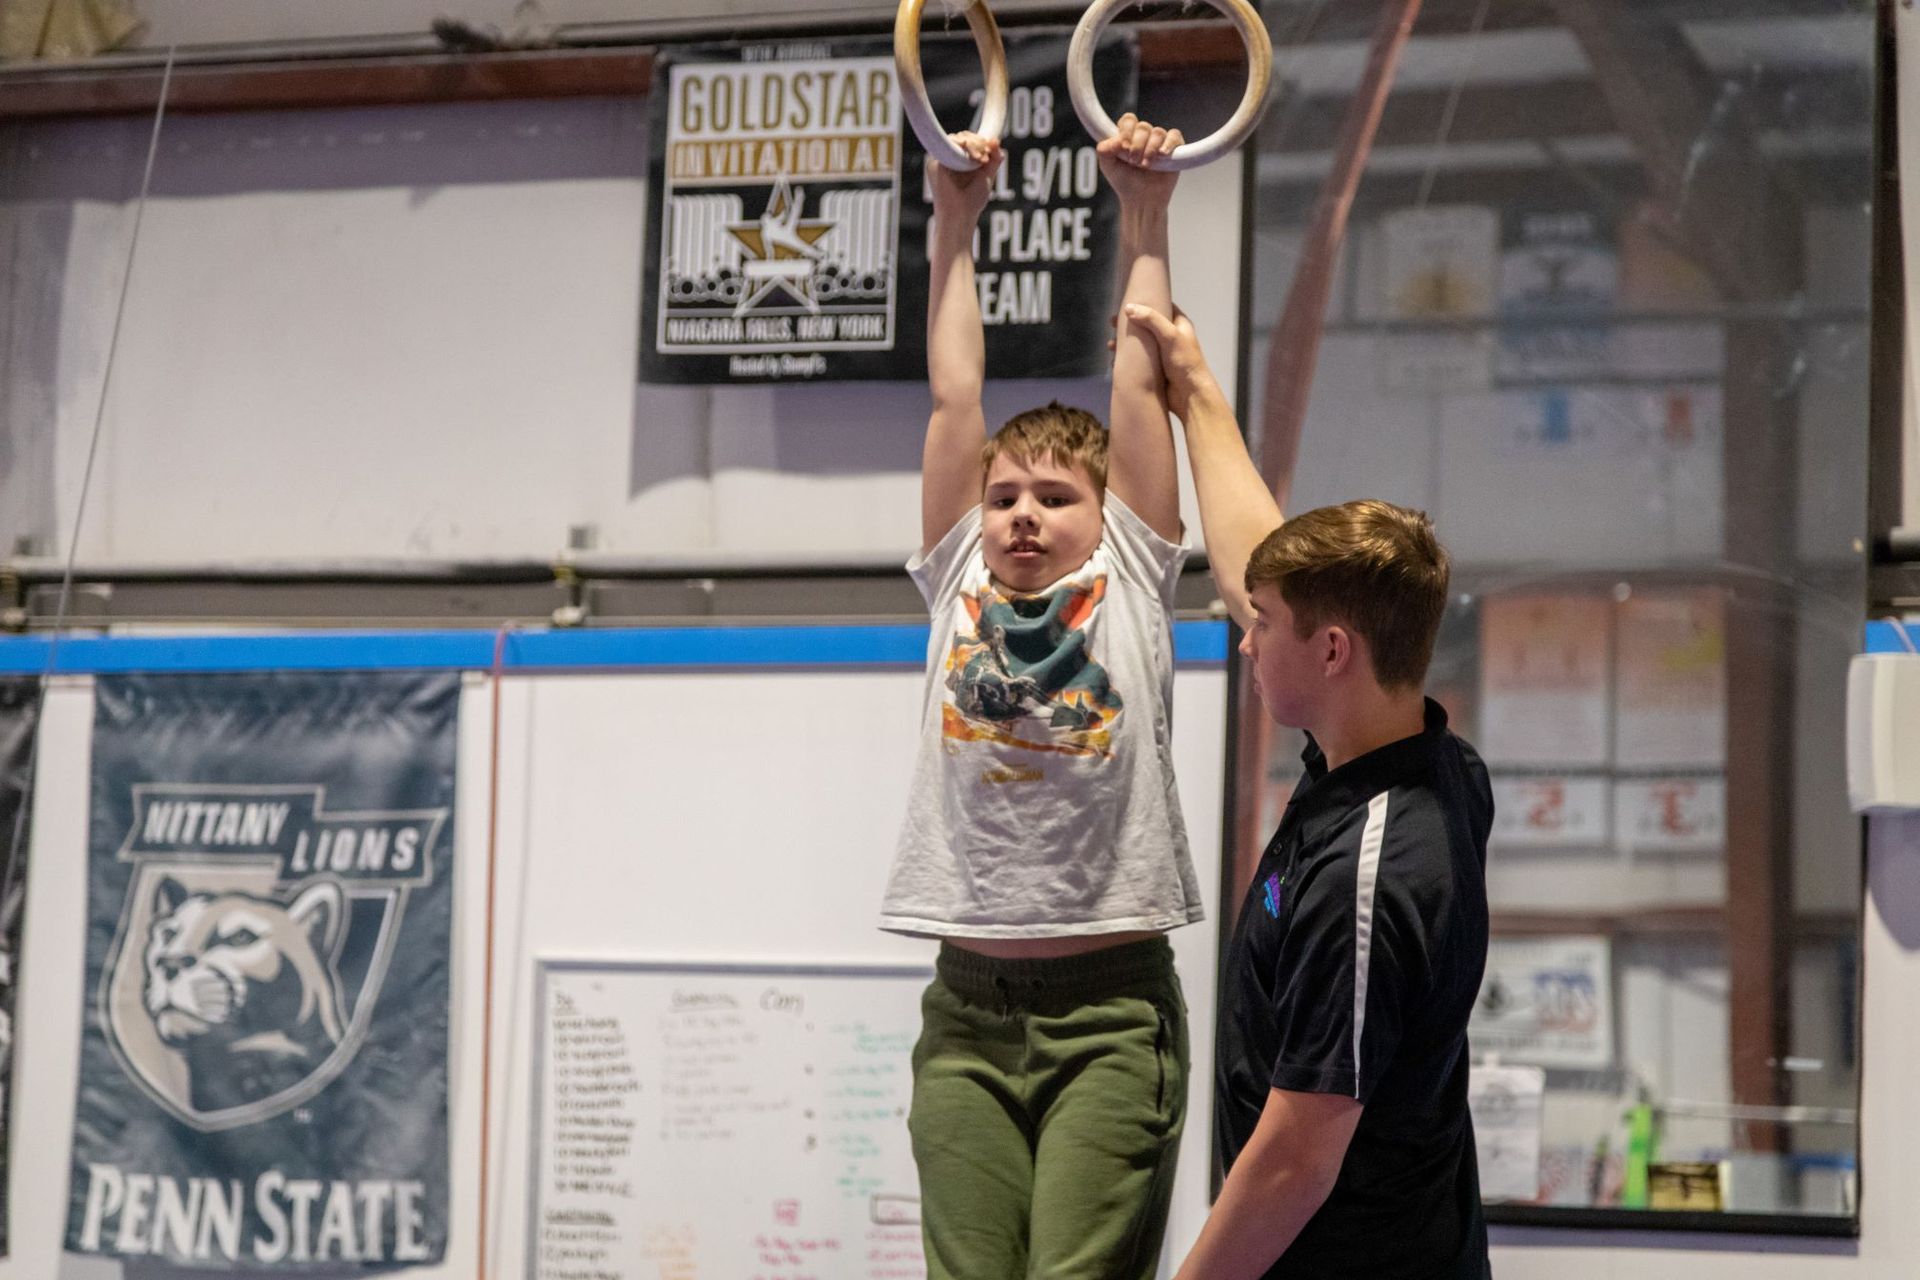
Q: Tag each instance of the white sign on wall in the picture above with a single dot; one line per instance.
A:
(1560, 811)
(1672, 680)
(1547, 1002)
(1671, 815)
(1441, 265)
(1507, 1103)
(1545, 680)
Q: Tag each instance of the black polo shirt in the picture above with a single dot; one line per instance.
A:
(1353, 969)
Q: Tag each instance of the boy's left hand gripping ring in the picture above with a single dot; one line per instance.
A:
(913, 85)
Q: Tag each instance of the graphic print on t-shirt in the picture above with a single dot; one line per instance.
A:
(1026, 677)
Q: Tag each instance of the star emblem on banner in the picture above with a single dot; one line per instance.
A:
(783, 247)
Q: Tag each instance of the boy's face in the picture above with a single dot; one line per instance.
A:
(1289, 673)
(1039, 520)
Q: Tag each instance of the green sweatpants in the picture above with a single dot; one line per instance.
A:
(1048, 1100)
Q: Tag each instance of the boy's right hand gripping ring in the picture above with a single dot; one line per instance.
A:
(1189, 155)
(913, 85)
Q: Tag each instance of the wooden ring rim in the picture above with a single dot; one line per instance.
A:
(914, 102)
(1188, 155)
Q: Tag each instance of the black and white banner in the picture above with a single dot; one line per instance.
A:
(787, 218)
(263, 1075)
(19, 713)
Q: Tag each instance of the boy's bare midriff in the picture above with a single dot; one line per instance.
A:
(1049, 948)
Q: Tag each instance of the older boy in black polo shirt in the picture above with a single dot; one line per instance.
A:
(1342, 1050)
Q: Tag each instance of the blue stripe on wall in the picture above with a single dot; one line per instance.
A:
(301, 651)
(899, 645)
(1200, 642)
(680, 647)
(1883, 638)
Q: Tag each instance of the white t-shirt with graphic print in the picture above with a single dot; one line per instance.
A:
(1043, 801)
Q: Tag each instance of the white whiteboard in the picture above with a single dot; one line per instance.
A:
(738, 1121)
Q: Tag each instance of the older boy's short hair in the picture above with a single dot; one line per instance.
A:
(1057, 432)
(1367, 565)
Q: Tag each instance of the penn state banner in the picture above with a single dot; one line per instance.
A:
(263, 1067)
(19, 712)
(787, 218)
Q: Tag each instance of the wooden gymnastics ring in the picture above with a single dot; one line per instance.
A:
(1188, 155)
(913, 85)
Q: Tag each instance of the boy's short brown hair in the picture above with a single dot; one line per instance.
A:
(1367, 565)
(1057, 432)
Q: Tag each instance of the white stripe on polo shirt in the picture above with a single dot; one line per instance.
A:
(1364, 881)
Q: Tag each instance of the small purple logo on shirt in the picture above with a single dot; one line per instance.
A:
(1274, 895)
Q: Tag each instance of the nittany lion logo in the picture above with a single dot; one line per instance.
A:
(245, 988)
(253, 943)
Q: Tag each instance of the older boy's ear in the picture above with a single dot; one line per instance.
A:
(1338, 654)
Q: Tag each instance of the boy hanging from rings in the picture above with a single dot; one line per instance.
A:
(1043, 843)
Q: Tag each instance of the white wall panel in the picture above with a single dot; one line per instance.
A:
(413, 332)
(744, 816)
